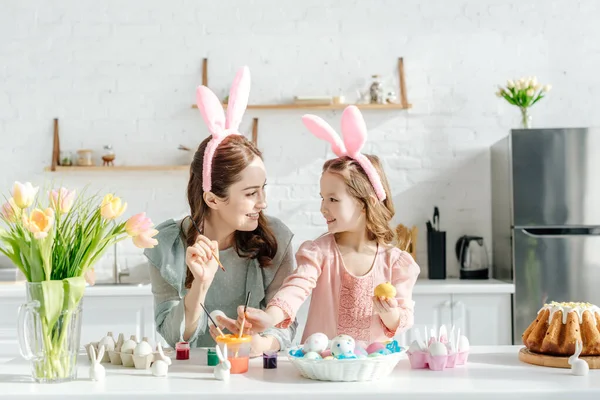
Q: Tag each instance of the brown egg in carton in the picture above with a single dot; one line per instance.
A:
(126, 357)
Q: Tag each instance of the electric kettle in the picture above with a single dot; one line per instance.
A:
(472, 257)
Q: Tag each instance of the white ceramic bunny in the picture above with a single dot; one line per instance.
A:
(578, 367)
(222, 371)
(160, 367)
(97, 371)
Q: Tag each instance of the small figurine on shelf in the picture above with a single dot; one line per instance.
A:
(109, 156)
(376, 90)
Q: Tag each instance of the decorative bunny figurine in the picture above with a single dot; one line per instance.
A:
(160, 367)
(579, 367)
(97, 371)
(222, 371)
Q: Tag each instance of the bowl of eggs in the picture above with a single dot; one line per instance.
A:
(343, 360)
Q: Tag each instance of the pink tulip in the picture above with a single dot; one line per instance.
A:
(62, 200)
(138, 224)
(145, 239)
(10, 211)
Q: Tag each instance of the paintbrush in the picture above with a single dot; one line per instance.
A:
(212, 320)
(244, 319)
(213, 253)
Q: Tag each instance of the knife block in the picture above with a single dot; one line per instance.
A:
(436, 254)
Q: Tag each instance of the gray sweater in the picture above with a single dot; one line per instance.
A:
(228, 289)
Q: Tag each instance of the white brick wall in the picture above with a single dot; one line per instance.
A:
(124, 73)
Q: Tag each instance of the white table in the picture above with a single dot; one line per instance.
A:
(491, 373)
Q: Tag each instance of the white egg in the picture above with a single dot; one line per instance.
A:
(342, 344)
(214, 314)
(128, 346)
(108, 342)
(312, 356)
(414, 347)
(316, 342)
(463, 343)
(438, 349)
(142, 349)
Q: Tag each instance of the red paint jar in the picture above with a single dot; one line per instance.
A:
(182, 350)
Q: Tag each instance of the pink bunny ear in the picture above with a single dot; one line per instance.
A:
(354, 130)
(323, 130)
(238, 98)
(211, 109)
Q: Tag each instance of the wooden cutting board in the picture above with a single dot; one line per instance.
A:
(554, 361)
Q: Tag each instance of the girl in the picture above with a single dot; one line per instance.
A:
(342, 268)
(227, 202)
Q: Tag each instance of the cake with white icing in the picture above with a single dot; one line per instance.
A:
(558, 326)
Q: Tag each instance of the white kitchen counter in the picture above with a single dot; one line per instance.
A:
(462, 286)
(491, 373)
(423, 286)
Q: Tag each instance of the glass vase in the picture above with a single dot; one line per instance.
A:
(525, 118)
(49, 331)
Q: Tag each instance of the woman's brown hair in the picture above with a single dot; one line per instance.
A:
(232, 156)
(378, 213)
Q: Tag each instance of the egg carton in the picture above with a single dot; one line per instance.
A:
(442, 350)
(127, 358)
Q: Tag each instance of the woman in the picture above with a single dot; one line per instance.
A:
(227, 199)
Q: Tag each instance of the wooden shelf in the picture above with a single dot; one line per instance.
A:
(292, 106)
(121, 168)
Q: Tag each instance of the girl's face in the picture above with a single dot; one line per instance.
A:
(343, 212)
(246, 198)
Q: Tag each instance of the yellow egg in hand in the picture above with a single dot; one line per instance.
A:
(386, 290)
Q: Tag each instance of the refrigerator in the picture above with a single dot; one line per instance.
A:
(546, 218)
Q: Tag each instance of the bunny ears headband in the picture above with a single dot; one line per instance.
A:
(354, 131)
(220, 127)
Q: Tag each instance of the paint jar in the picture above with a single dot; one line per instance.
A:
(270, 360)
(238, 351)
(182, 351)
(212, 358)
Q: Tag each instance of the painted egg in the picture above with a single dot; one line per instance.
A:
(326, 353)
(311, 355)
(360, 351)
(342, 344)
(316, 342)
(375, 347)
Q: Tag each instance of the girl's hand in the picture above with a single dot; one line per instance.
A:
(200, 260)
(384, 306)
(257, 321)
(259, 343)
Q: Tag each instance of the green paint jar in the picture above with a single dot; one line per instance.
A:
(212, 358)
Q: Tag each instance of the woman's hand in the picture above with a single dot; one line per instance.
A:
(200, 260)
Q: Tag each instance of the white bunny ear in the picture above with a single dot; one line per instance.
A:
(225, 352)
(219, 353)
(238, 98)
(321, 129)
(354, 130)
(100, 354)
(211, 109)
(92, 353)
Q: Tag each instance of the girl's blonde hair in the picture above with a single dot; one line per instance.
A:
(378, 213)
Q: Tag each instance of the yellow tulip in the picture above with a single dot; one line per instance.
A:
(112, 207)
(24, 194)
(39, 222)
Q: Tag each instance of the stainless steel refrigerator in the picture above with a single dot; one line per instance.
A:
(546, 218)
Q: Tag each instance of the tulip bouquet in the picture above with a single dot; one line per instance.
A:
(523, 93)
(53, 243)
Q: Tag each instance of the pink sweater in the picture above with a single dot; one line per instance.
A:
(341, 303)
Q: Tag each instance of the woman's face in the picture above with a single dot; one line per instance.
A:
(246, 198)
